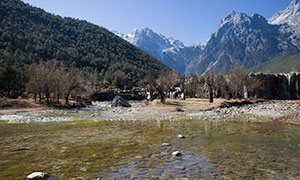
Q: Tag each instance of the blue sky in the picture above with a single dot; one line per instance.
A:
(190, 21)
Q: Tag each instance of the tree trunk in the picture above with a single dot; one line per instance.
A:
(67, 99)
(162, 97)
(57, 98)
(47, 98)
(151, 96)
(211, 95)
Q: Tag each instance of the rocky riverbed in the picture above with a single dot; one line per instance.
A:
(262, 111)
(286, 111)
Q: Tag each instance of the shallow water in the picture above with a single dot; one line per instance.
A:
(133, 150)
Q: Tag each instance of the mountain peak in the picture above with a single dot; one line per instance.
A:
(290, 16)
(233, 17)
(296, 1)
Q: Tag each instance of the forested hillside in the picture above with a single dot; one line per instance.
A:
(29, 34)
(282, 64)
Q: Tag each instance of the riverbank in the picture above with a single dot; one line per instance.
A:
(12, 106)
(221, 110)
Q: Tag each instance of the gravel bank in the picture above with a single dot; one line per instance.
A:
(268, 111)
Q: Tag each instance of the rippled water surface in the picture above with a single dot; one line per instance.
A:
(133, 150)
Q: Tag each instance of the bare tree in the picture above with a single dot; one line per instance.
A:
(37, 79)
(73, 83)
(183, 81)
(50, 80)
(210, 84)
(244, 84)
(238, 78)
(192, 84)
(254, 85)
(149, 83)
(165, 82)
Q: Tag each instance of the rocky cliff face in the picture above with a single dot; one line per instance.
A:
(280, 86)
(242, 39)
(289, 20)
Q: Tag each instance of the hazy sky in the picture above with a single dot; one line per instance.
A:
(190, 21)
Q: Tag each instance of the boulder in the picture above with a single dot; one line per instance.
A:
(119, 101)
(37, 176)
(103, 96)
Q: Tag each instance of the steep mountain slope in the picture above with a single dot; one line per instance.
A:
(240, 39)
(289, 19)
(171, 52)
(247, 40)
(282, 64)
(29, 34)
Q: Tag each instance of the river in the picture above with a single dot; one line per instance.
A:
(101, 149)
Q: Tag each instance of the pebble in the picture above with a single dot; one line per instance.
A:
(138, 157)
(37, 176)
(165, 144)
(176, 153)
(180, 167)
(181, 136)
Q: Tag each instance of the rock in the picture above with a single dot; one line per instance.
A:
(165, 144)
(103, 96)
(180, 167)
(37, 176)
(176, 153)
(22, 149)
(181, 136)
(119, 101)
(138, 157)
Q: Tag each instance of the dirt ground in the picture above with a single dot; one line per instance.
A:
(10, 106)
(177, 108)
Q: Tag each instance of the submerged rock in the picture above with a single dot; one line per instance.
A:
(37, 176)
(181, 136)
(176, 153)
(165, 144)
(119, 101)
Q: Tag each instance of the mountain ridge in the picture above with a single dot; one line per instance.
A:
(168, 50)
(29, 34)
(239, 39)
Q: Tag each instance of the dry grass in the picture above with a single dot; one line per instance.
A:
(9, 106)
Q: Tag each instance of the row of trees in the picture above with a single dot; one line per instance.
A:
(161, 84)
(50, 80)
(237, 84)
(53, 81)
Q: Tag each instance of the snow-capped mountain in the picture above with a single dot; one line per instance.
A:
(239, 39)
(290, 16)
(165, 49)
(289, 20)
(242, 39)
